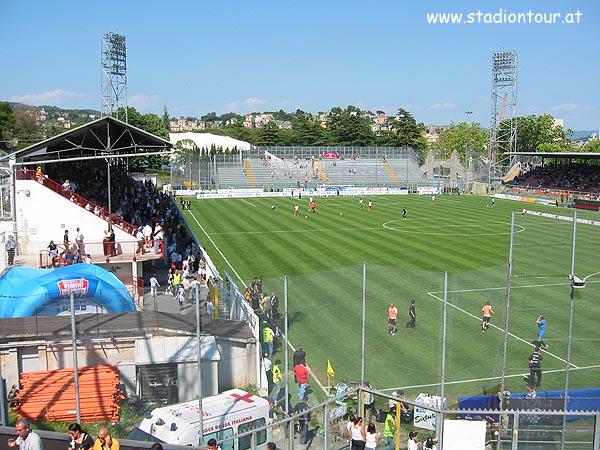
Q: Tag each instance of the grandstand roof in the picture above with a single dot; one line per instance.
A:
(207, 140)
(559, 155)
(104, 137)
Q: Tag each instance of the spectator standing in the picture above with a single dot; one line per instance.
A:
(277, 380)
(26, 439)
(302, 373)
(154, 285)
(210, 307)
(372, 437)
(389, 428)
(368, 403)
(303, 419)
(139, 236)
(299, 356)
(274, 305)
(412, 443)
(268, 337)
(11, 245)
(268, 365)
(79, 241)
(66, 242)
(181, 296)
(358, 435)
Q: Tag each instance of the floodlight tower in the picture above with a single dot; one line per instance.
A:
(114, 75)
(503, 126)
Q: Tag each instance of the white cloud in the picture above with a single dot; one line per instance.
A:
(571, 107)
(444, 106)
(253, 101)
(57, 97)
(143, 102)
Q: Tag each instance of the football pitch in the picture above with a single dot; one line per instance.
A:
(325, 254)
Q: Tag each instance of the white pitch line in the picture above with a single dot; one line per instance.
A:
(250, 203)
(218, 250)
(498, 328)
(328, 230)
(477, 380)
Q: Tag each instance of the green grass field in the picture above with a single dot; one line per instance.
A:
(322, 255)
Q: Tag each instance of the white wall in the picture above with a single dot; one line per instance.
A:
(42, 215)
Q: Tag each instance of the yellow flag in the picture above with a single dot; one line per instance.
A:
(330, 371)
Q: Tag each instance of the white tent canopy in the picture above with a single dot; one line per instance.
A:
(207, 140)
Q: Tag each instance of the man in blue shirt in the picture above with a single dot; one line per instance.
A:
(541, 323)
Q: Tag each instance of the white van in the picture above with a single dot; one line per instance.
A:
(223, 415)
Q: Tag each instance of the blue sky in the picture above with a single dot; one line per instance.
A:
(195, 56)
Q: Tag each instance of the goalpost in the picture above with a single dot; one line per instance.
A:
(575, 282)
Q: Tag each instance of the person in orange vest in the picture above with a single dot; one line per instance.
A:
(392, 318)
(487, 315)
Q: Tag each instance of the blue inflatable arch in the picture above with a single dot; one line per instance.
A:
(26, 292)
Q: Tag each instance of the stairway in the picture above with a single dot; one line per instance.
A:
(391, 173)
(249, 174)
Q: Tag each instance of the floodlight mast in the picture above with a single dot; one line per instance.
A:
(114, 76)
(503, 124)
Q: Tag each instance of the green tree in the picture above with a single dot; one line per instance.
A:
(237, 131)
(210, 117)
(533, 131)
(348, 127)
(268, 135)
(165, 119)
(150, 123)
(404, 132)
(462, 136)
(25, 128)
(307, 132)
(592, 146)
(556, 147)
(7, 125)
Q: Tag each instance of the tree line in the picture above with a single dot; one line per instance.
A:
(343, 127)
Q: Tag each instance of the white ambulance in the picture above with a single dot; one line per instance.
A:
(229, 413)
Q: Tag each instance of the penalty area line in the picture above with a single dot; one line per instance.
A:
(514, 336)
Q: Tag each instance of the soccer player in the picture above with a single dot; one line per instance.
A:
(296, 210)
(361, 203)
(392, 316)
(412, 314)
(370, 205)
(487, 315)
(404, 212)
(523, 213)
